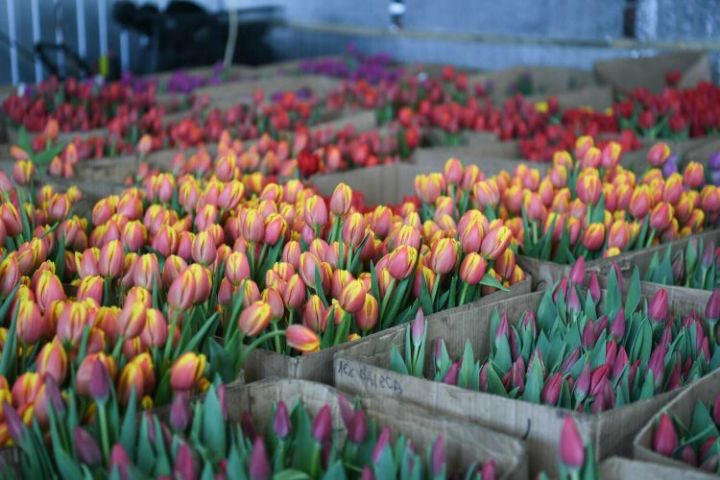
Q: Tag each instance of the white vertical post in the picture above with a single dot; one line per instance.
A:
(103, 26)
(80, 21)
(12, 36)
(35, 14)
(646, 20)
(125, 50)
(59, 36)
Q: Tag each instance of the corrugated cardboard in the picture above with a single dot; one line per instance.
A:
(637, 159)
(704, 390)
(617, 468)
(464, 444)
(626, 74)
(363, 368)
(318, 366)
(542, 80)
(595, 97)
(435, 158)
(546, 273)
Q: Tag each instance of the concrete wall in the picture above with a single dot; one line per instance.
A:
(568, 20)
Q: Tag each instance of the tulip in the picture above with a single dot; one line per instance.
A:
(658, 308)
(87, 368)
(91, 287)
(111, 259)
(155, 331)
(87, 448)
(640, 202)
(281, 421)
(182, 292)
(322, 425)
(661, 216)
(352, 297)
(694, 175)
(275, 228)
(572, 450)
(52, 361)
(594, 236)
(99, 385)
(259, 468)
(30, 324)
(658, 153)
(665, 438)
(302, 338)
(131, 320)
(315, 212)
(472, 269)
(712, 309)
(187, 371)
(180, 414)
(401, 262)
(204, 250)
(341, 200)
(367, 316)
(495, 242)
(255, 318)
(577, 272)
(589, 187)
(444, 255)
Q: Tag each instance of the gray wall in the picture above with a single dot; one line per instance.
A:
(583, 22)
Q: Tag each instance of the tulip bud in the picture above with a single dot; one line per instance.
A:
(204, 250)
(401, 262)
(111, 259)
(665, 438)
(99, 385)
(52, 361)
(658, 153)
(87, 449)
(572, 450)
(589, 187)
(322, 425)
(180, 414)
(281, 422)
(594, 236)
(472, 269)
(187, 371)
(661, 216)
(577, 272)
(301, 338)
(658, 308)
(444, 255)
(495, 242)
(341, 200)
(712, 309)
(255, 318)
(260, 468)
(694, 175)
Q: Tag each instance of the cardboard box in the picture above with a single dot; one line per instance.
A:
(704, 390)
(545, 273)
(626, 74)
(532, 80)
(464, 444)
(434, 159)
(364, 368)
(617, 468)
(318, 366)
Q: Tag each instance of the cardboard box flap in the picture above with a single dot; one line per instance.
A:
(704, 390)
(617, 468)
(626, 74)
(465, 444)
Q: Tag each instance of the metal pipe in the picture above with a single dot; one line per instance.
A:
(80, 21)
(12, 36)
(461, 37)
(36, 34)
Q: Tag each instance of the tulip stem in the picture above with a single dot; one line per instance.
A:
(276, 339)
(104, 438)
(463, 293)
(171, 336)
(257, 342)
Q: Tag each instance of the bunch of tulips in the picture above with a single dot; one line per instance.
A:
(589, 206)
(355, 66)
(76, 105)
(200, 441)
(695, 267)
(695, 443)
(572, 354)
(179, 281)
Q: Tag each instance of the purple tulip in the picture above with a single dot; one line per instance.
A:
(582, 386)
(246, 423)
(53, 395)
(180, 412)
(99, 382)
(489, 469)
(551, 390)
(716, 409)
(87, 448)
(517, 374)
(610, 352)
(658, 308)
(594, 287)
(322, 425)
(381, 444)
(367, 474)
(588, 335)
(688, 455)
(621, 360)
(573, 301)
(617, 328)
(185, 464)
(714, 161)
(260, 468)
(119, 460)
(577, 272)
(572, 449)
(437, 462)
(712, 309)
(14, 423)
(503, 329)
(358, 428)
(451, 377)
(529, 321)
(281, 423)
